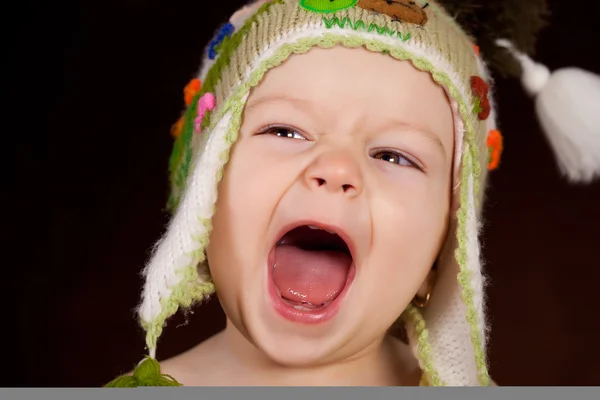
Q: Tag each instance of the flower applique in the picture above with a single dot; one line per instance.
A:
(482, 103)
(398, 10)
(327, 6)
(225, 31)
(189, 92)
(177, 128)
(206, 103)
(495, 147)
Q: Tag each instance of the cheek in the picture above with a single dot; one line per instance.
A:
(248, 194)
(409, 228)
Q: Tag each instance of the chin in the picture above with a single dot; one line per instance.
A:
(297, 352)
(299, 338)
(291, 345)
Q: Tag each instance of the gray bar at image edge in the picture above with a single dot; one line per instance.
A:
(306, 393)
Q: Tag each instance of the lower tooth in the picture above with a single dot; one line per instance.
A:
(301, 308)
(306, 306)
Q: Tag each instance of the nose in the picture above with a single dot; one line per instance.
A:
(336, 172)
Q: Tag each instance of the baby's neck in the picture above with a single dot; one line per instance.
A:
(228, 359)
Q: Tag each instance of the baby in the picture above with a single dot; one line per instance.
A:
(349, 142)
(330, 215)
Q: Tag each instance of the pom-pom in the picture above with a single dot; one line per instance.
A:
(567, 102)
(147, 373)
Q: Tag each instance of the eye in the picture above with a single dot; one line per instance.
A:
(395, 157)
(283, 131)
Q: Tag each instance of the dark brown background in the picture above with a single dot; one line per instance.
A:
(94, 88)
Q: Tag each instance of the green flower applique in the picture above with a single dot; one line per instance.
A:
(327, 6)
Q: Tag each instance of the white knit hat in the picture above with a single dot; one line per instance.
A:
(449, 334)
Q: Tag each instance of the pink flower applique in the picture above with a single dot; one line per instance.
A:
(205, 103)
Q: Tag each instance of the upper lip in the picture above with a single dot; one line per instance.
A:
(338, 230)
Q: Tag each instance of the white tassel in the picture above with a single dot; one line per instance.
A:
(568, 108)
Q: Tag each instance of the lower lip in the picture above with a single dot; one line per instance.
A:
(305, 316)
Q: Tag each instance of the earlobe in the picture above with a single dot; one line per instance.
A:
(424, 293)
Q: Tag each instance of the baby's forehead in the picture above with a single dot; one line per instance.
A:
(346, 66)
(342, 81)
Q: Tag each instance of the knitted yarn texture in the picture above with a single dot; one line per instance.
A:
(449, 335)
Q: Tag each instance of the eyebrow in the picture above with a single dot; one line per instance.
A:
(419, 130)
(278, 98)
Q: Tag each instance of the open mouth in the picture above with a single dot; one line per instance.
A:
(311, 268)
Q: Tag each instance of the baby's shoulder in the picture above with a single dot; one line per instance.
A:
(195, 367)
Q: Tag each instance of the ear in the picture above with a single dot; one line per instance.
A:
(428, 284)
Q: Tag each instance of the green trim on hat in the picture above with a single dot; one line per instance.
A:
(465, 275)
(413, 316)
(191, 290)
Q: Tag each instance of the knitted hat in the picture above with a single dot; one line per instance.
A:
(449, 334)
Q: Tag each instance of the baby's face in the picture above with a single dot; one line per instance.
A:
(353, 142)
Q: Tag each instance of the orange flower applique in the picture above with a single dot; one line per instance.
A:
(476, 48)
(495, 147)
(191, 90)
(177, 128)
(482, 102)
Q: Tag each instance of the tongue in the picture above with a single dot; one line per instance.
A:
(313, 276)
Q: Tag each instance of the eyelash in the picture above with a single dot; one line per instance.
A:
(400, 158)
(280, 131)
(277, 130)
